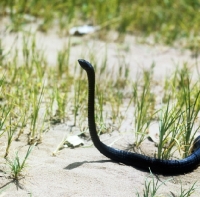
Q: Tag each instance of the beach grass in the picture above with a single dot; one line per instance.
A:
(34, 96)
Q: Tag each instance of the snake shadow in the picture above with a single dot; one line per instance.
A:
(78, 164)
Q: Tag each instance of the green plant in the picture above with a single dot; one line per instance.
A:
(116, 102)
(178, 125)
(63, 60)
(79, 99)
(16, 167)
(10, 130)
(61, 99)
(189, 192)
(36, 104)
(142, 99)
(188, 101)
(4, 114)
(151, 187)
(99, 115)
(169, 124)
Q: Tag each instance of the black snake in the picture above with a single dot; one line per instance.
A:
(168, 167)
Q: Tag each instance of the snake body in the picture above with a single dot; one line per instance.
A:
(168, 167)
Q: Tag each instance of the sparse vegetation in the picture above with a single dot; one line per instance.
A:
(167, 21)
(152, 188)
(35, 96)
(16, 166)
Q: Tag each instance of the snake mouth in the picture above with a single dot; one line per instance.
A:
(84, 64)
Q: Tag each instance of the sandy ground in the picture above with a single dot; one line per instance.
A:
(84, 171)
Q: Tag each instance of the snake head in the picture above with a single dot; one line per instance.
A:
(85, 65)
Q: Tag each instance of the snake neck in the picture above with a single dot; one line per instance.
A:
(91, 109)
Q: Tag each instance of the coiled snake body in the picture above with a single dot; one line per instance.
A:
(168, 167)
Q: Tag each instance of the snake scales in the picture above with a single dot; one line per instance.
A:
(168, 167)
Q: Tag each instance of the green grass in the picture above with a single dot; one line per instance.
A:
(16, 166)
(167, 21)
(35, 96)
(144, 102)
(153, 188)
